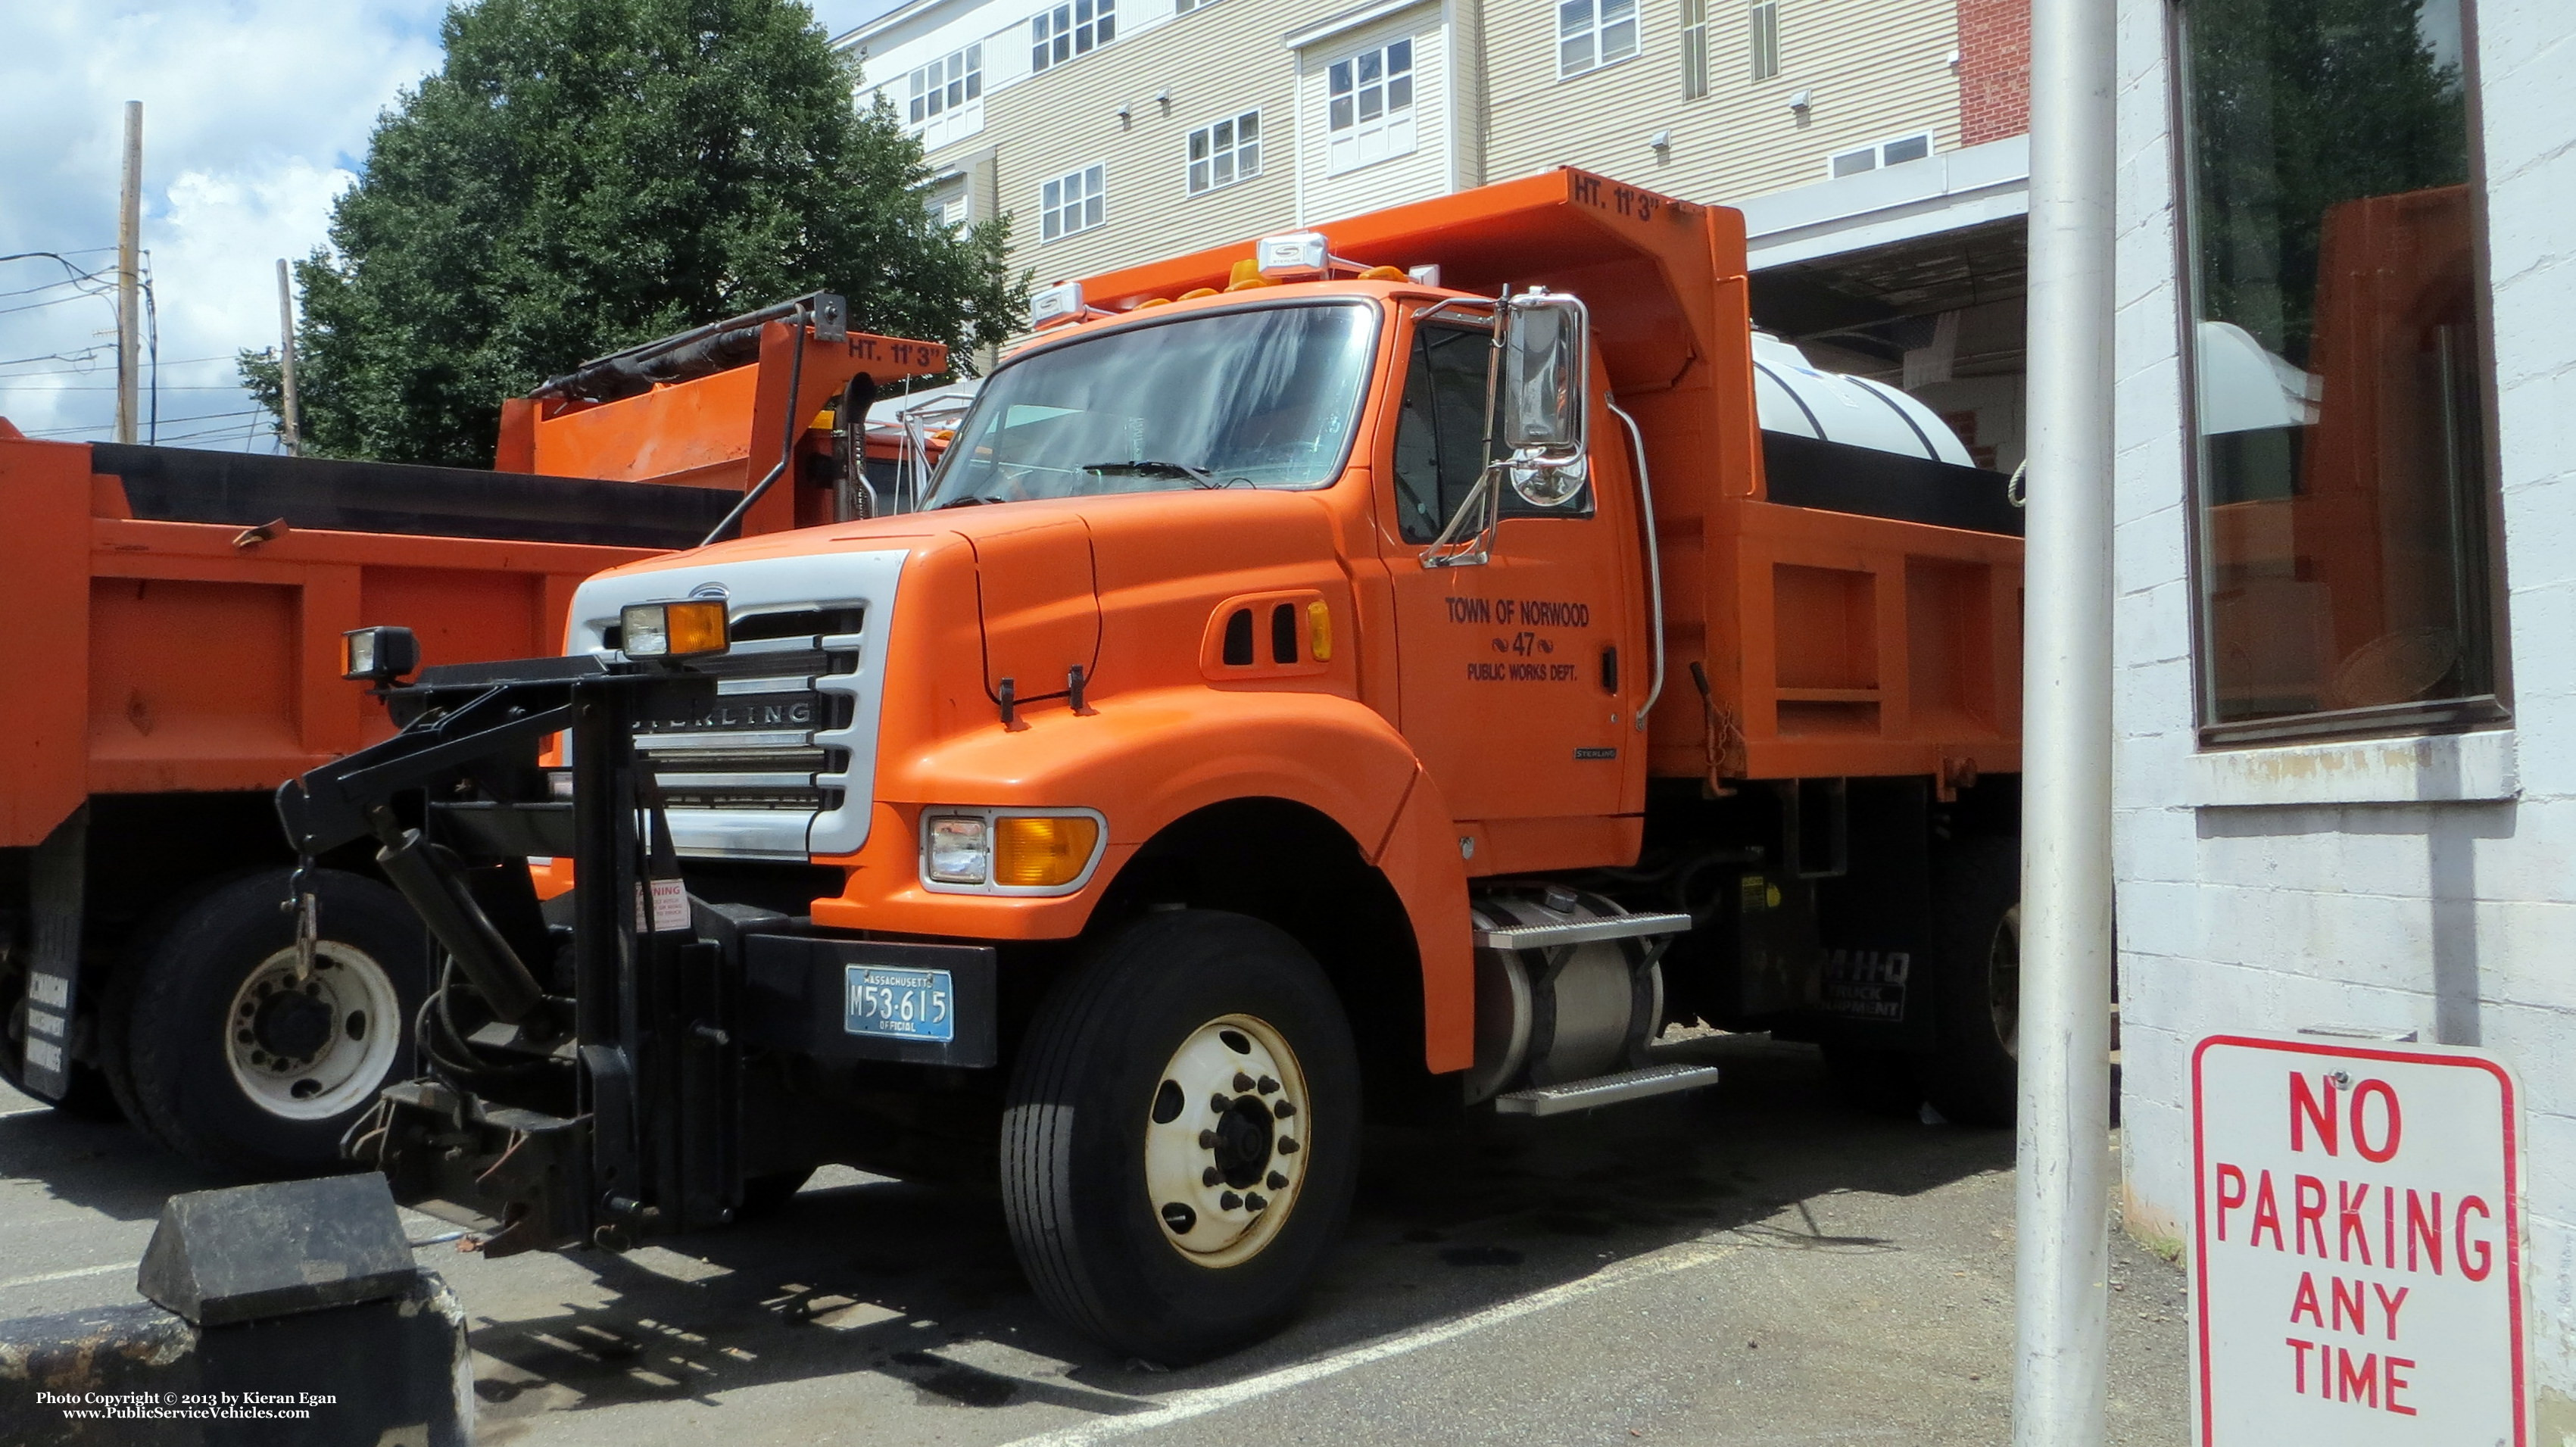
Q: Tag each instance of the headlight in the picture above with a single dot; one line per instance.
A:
(961, 851)
(672, 630)
(997, 852)
(378, 655)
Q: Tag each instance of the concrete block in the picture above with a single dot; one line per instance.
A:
(2150, 545)
(247, 1252)
(391, 1370)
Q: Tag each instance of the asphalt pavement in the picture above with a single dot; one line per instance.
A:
(1756, 1264)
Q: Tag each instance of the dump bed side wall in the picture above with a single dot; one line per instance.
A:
(195, 657)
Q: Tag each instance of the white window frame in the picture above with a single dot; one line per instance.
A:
(1694, 49)
(1240, 153)
(1876, 155)
(1060, 33)
(1762, 41)
(1081, 196)
(947, 84)
(1350, 89)
(1591, 24)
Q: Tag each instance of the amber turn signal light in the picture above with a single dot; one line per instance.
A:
(672, 630)
(1041, 852)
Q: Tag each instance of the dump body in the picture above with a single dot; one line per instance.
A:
(186, 658)
(1854, 617)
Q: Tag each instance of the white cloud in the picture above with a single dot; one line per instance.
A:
(256, 113)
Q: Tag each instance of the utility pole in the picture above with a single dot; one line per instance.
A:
(2061, 1287)
(129, 235)
(286, 361)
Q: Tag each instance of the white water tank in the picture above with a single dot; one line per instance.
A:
(1791, 396)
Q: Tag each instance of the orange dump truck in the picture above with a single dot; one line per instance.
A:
(1388, 667)
(184, 658)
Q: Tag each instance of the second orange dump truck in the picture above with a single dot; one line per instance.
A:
(1385, 668)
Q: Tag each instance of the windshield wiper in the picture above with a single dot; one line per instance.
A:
(968, 501)
(1148, 467)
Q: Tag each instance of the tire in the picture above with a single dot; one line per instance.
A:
(229, 1073)
(1973, 1073)
(1133, 1228)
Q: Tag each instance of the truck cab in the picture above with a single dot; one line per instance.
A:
(1308, 680)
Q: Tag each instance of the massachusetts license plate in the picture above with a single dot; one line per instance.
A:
(901, 1004)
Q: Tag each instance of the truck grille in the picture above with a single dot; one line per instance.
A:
(744, 776)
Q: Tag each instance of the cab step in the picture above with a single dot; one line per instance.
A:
(1600, 1090)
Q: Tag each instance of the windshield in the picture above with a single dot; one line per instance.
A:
(1257, 398)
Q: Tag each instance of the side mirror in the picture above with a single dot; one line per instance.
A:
(1546, 402)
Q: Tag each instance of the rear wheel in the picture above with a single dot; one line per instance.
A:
(1182, 1136)
(243, 1065)
(1973, 1074)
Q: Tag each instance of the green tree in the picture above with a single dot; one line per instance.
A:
(582, 175)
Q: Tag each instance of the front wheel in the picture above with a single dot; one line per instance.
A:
(241, 1063)
(1182, 1136)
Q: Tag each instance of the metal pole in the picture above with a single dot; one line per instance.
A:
(2063, 1237)
(129, 232)
(286, 362)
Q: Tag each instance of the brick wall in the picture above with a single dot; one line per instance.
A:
(1994, 69)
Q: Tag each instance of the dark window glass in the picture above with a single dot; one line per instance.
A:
(2342, 434)
(1440, 445)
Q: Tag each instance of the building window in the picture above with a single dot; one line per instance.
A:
(1070, 203)
(1593, 33)
(1694, 49)
(1368, 106)
(1885, 153)
(1184, 7)
(1060, 34)
(2341, 573)
(1225, 153)
(1762, 26)
(944, 85)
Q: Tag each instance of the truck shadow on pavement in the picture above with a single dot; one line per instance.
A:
(97, 1165)
(919, 1285)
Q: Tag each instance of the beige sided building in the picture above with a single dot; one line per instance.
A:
(1876, 145)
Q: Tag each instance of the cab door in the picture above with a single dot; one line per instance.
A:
(1518, 674)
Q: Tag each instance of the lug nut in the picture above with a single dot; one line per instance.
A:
(1207, 1140)
(1284, 1109)
(1269, 1086)
(1252, 1202)
(1220, 1103)
(1287, 1145)
(1242, 1081)
(1211, 1176)
(1278, 1182)
(1229, 1200)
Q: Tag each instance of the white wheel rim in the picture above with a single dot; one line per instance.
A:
(313, 1060)
(1222, 1171)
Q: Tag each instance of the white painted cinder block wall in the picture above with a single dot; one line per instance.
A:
(2264, 897)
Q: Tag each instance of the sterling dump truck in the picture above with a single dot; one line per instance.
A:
(1387, 667)
(181, 658)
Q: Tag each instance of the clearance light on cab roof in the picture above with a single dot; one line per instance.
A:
(1297, 254)
(1055, 305)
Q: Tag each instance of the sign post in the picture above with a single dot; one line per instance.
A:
(2356, 1245)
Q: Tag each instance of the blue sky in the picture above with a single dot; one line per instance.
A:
(256, 115)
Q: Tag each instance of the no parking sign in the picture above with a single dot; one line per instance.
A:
(2356, 1245)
